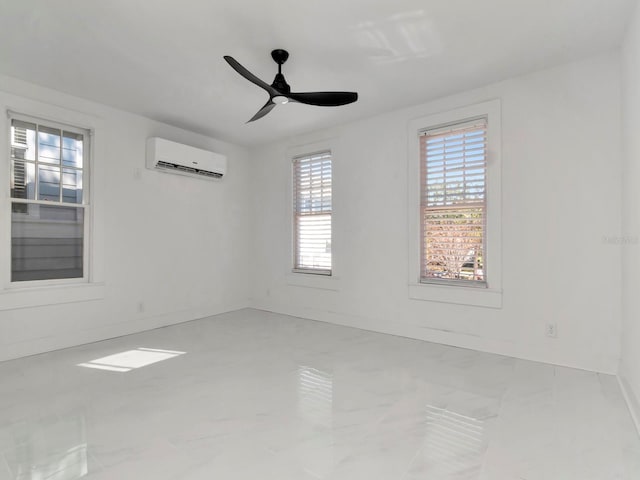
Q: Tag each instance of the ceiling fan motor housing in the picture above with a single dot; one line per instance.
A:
(280, 84)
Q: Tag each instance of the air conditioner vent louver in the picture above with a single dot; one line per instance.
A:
(191, 170)
(171, 157)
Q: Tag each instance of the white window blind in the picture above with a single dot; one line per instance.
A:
(312, 213)
(453, 203)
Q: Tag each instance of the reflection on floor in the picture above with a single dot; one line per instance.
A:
(260, 395)
(51, 448)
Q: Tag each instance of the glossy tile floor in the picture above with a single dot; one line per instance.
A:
(265, 396)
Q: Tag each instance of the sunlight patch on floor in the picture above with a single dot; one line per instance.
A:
(131, 359)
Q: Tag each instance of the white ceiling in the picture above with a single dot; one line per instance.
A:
(163, 59)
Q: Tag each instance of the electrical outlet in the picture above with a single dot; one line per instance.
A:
(551, 330)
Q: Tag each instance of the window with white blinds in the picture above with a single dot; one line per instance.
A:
(453, 203)
(312, 213)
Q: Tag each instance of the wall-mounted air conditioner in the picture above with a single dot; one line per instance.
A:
(171, 157)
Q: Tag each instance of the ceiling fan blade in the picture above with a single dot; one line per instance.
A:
(250, 76)
(263, 111)
(324, 99)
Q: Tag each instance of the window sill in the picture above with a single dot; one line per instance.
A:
(311, 280)
(17, 297)
(474, 296)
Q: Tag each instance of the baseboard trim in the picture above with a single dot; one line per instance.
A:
(443, 337)
(632, 401)
(100, 333)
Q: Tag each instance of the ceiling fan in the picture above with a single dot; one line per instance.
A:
(280, 91)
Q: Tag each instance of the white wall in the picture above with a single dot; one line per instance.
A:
(176, 244)
(561, 176)
(630, 362)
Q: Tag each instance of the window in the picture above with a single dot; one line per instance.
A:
(312, 213)
(453, 162)
(455, 199)
(49, 200)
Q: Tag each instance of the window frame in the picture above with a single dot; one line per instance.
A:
(328, 283)
(454, 129)
(447, 291)
(294, 239)
(86, 204)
